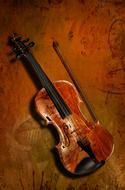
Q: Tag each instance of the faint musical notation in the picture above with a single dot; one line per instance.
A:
(116, 75)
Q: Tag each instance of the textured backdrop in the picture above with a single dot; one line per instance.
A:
(91, 34)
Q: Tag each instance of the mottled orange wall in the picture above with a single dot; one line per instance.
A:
(91, 34)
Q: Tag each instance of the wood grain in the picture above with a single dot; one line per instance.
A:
(74, 128)
(82, 29)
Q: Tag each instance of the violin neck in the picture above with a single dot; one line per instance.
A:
(56, 98)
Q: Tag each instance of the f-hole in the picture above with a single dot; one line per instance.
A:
(48, 118)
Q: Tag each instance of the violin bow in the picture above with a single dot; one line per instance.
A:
(81, 92)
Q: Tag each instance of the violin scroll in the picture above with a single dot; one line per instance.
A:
(19, 46)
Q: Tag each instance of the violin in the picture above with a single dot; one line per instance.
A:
(83, 146)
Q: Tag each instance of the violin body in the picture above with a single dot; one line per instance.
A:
(78, 137)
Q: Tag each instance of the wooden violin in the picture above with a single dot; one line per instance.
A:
(58, 103)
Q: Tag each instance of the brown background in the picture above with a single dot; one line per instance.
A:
(91, 34)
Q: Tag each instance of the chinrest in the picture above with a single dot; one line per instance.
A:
(88, 166)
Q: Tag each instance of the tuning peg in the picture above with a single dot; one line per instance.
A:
(14, 50)
(31, 44)
(18, 38)
(18, 56)
(26, 40)
(14, 37)
(14, 34)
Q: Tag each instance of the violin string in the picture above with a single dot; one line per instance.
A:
(78, 131)
(37, 69)
(82, 140)
(50, 90)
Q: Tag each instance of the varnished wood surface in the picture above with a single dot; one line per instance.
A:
(74, 128)
(91, 37)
